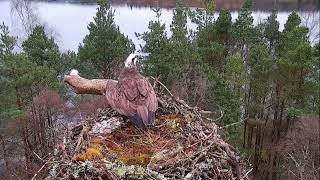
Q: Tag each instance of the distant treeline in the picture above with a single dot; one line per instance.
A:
(264, 5)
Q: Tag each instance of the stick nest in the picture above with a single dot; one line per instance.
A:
(182, 144)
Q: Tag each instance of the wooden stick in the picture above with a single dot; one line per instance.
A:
(77, 148)
(35, 175)
(233, 124)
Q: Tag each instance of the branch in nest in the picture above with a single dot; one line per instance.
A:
(88, 86)
(47, 162)
(84, 130)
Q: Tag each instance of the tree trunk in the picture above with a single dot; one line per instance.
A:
(257, 151)
(27, 153)
(5, 155)
(250, 133)
(280, 120)
(18, 100)
(245, 133)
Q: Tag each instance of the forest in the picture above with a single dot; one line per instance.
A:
(262, 81)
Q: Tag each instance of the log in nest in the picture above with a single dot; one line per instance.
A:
(182, 144)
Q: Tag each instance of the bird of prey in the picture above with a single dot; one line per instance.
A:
(133, 96)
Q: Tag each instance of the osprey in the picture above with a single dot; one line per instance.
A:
(132, 95)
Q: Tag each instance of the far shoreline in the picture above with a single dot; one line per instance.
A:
(232, 5)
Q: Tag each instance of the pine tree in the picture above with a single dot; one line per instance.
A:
(158, 63)
(223, 25)
(235, 73)
(295, 61)
(271, 31)
(179, 23)
(42, 50)
(23, 77)
(105, 46)
(243, 30)
(261, 70)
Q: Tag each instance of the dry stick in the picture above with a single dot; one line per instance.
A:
(163, 86)
(233, 160)
(233, 124)
(80, 140)
(35, 175)
(215, 168)
(38, 156)
(221, 116)
(246, 175)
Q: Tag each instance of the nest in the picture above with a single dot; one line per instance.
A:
(182, 144)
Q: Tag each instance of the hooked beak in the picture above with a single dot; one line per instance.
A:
(139, 58)
(142, 55)
(139, 61)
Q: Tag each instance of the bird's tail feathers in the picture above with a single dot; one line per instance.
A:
(151, 117)
(143, 117)
(137, 121)
(142, 111)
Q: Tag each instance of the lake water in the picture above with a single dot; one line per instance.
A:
(68, 22)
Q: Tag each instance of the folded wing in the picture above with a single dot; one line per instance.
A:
(136, 98)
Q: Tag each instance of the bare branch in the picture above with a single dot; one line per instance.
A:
(85, 86)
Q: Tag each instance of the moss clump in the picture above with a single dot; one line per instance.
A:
(93, 152)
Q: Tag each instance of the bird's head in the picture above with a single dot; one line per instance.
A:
(132, 60)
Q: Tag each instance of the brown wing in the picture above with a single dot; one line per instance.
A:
(147, 91)
(128, 86)
(136, 99)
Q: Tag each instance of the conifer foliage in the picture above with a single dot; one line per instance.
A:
(105, 46)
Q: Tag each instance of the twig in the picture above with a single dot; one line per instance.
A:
(38, 156)
(233, 124)
(233, 159)
(35, 175)
(221, 115)
(206, 112)
(80, 140)
(165, 87)
(294, 174)
(215, 168)
(247, 173)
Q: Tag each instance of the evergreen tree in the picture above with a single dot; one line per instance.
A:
(179, 23)
(21, 77)
(105, 46)
(295, 61)
(235, 73)
(7, 109)
(211, 35)
(271, 31)
(293, 22)
(203, 17)
(243, 26)
(243, 31)
(223, 25)
(42, 50)
(158, 63)
(261, 69)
